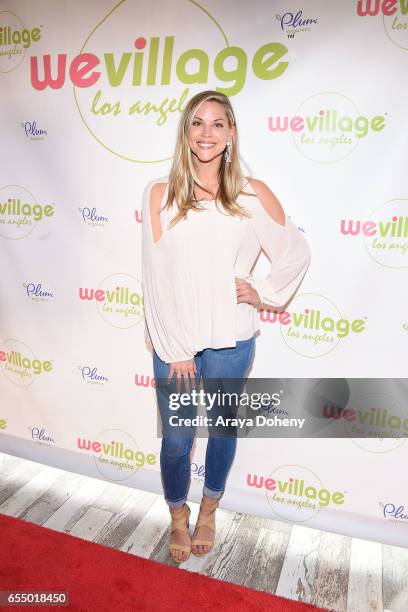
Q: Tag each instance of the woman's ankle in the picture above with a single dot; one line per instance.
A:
(210, 498)
(177, 508)
(209, 503)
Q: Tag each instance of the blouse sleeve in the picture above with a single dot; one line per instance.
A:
(166, 332)
(288, 252)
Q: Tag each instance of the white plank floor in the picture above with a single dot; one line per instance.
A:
(328, 570)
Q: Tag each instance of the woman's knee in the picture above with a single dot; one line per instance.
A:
(176, 447)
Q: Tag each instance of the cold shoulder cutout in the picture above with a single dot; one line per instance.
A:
(269, 201)
(155, 199)
(189, 272)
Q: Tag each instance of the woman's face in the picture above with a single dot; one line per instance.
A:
(209, 131)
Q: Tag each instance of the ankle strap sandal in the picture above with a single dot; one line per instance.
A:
(182, 524)
(205, 517)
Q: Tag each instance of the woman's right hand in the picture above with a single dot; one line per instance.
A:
(183, 369)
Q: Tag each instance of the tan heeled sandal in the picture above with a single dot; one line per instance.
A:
(182, 524)
(207, 519)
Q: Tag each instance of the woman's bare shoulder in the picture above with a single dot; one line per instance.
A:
(268, 200)
(156, 194)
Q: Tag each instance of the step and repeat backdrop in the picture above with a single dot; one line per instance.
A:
(91, 93)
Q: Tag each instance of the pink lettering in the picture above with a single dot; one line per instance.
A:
(369, 228)
(278, 127)
(270, 484)
(76, 73)
(388, 7)
(297, 124)
(48, 80)
(350, 229)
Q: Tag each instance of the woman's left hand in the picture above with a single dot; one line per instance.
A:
(246, 293)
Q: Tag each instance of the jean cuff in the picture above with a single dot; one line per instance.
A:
(176, 504)
(210, 493)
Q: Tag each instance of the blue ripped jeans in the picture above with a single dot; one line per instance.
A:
(212, 365)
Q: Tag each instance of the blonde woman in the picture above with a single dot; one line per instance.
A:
(203, 228)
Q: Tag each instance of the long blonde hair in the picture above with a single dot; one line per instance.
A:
(183, 176)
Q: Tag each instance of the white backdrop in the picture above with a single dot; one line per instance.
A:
(91, 95)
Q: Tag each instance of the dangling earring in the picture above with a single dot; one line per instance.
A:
(227, 154)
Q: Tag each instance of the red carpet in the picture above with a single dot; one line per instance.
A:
(99, 578)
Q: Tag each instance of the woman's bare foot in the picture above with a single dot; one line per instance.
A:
(204, 533)
(180, 542)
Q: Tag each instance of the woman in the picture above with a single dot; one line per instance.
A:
(203, 229)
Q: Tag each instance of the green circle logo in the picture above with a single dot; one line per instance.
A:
(133, 98)
(327, 127)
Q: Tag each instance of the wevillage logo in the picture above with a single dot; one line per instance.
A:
(396, 513)
(327, 127)
(130, 99)
(294, 22)
(295, 493)
(91, 217)
(385, 233)
(32, 131)
(118, 299)
(20, 212)
(116, 454)
(379, 419)
(3, 424)
(15, 39)
(40, 435)
(19, 363)
(92, 376)
(395, 18)
(37, 293)
(144, 380)
(313, 326)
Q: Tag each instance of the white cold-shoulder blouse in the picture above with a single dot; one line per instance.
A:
(189, 289)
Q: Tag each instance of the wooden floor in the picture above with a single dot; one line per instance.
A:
(328, 570)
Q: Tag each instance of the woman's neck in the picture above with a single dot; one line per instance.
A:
(208, 173)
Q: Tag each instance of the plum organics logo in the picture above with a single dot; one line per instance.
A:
(91, 217)
(385, 233)
(40, 435)
(118, 300)
(395, 513)
(20, 212)
(292, 23)
(19, 363)
(295, 493)
(327, 127)
(92, 376)
(314, 325)
(197, 471)
(32, 131)
(37, 293)
(133, 76)
(15, 39)
(116, 454)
